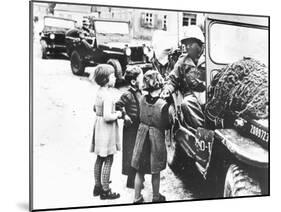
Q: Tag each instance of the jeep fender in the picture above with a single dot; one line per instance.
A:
(244, 149)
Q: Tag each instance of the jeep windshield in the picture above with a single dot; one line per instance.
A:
(57, 24)
(229, 43)
(108, 27)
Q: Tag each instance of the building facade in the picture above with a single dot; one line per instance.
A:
(142, 23)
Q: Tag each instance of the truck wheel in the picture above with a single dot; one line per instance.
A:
(117, 67)
(174, 154)
(77, 64)
(43, 49)
(44, 53)
(239, 183)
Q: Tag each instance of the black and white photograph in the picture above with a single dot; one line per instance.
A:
(135, 105)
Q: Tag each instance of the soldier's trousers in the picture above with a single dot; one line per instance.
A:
(192, 114)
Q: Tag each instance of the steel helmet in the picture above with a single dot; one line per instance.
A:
(192, 31)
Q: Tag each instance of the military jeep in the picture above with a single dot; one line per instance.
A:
(52, 37)
(232, 160)
(108, 42)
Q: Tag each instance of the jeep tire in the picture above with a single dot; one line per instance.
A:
(77, 64)
(239, 183)
(43, 49)
(44, 53)
(117, 67)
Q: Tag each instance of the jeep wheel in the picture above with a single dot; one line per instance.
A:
(174, 153)
(44, 53)
(43, 49)
(239, 183)
(118, 69)
(77, 64)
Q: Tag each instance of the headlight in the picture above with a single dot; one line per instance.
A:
(128, 51)
(145, 50)
(52, 36)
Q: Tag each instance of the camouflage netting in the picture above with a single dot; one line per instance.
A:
(241, 88)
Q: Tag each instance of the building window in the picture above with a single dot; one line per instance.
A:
(188, 19)
(165, 22)
(148, 19)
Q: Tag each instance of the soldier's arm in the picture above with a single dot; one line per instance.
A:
(174, 79)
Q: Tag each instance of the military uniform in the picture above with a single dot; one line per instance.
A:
(188, 78)
(88, 32)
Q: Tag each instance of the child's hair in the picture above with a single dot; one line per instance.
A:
(102, 73)
(152, 80)
(132, 73)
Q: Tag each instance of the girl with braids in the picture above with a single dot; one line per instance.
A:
(150, 154)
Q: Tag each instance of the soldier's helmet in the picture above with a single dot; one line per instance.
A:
(192, 32)
(152, 80)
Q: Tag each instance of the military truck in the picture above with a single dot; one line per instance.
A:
(233, 160)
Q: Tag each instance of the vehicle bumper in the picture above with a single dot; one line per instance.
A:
(56, 48)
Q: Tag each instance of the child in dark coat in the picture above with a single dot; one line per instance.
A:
(150, 154)
(129, 103)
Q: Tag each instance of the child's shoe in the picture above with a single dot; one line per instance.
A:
(160, 198)
(139, 200)
(108, 194)
(97, 190)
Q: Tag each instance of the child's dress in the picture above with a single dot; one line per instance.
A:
(106, 136)
(150, 154)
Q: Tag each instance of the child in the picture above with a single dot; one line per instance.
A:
(106, 134)
(150, 154)
(129, 102)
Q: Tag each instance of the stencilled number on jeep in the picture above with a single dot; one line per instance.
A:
(201, 145)
(262, 134)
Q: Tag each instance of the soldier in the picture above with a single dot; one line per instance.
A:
(187, 77)
(86, 28)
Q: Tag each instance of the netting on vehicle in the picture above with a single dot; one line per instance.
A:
(241, 88)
